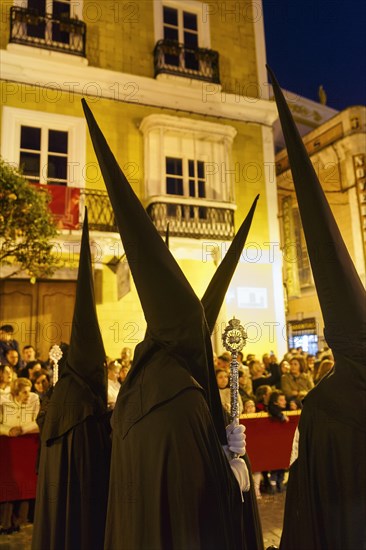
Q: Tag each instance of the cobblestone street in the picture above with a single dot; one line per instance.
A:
(270, 509)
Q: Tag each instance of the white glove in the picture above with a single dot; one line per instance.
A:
(235, 434)
(241, 473)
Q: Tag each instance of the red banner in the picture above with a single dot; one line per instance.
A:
(269, 441)
(18, 455)
(64, 205)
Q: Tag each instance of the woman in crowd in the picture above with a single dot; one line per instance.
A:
(18, 412)
(222, 379)
(41, 383)
(296, 383)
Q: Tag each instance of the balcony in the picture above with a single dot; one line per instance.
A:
(32, 28)
(173, 58)
(192, 219)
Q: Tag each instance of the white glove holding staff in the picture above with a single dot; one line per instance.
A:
(236, 438)
(235, 434)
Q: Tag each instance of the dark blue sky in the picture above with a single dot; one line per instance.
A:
(313, 42)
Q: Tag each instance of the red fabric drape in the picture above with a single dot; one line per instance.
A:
(269, 442)
(18, 479)
(64, 204)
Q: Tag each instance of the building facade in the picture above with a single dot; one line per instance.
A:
(337, 151)
(180, 91)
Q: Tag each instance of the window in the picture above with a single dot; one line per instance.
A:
(60, 10)
(182, 21)
(49, 148)
(181, 26)
(51, 24)
(186, 177)
(187, 158)
(43, 155)
(174, 176)
(193, 185)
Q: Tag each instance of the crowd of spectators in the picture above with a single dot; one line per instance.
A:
(26, 381)
(272, 386)
(265, 385)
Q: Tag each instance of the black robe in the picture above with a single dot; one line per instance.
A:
(72, 488)
(326, 496)
(171, 486)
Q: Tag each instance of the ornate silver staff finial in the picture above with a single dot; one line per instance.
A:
(55, 355)
(234, 339)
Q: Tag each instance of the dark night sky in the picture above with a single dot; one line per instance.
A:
(313, 42)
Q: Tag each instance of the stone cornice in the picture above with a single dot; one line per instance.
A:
(208, 99)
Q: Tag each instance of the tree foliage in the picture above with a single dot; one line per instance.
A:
(27, 226)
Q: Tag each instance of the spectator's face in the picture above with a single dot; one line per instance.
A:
(294, 367)
(5, 336)
(285, 367)
(12, 357)
(7, 375)
(281, 401)
(249, 407)
(37, 367)
(222, 380)
(23, 395)
(29, 354)
(42, 384)
(126, 354)
(293, 405)
(258, 368)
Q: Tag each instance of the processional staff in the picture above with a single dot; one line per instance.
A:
(234, 339)
(55, 355)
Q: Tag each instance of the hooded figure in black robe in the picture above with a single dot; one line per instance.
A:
(72, 489)
(326, 495)
(171, 484)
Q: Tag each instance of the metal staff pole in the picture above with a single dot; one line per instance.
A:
(234, 339)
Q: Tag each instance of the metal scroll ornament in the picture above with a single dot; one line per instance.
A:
(234, 339)
(55, 355)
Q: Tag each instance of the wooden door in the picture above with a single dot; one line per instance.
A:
(41, 314)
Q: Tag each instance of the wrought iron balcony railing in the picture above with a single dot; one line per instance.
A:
(100, 212)
(187, 217)
(32, 28)
(192, 220)
(171, 57)
(185, 220)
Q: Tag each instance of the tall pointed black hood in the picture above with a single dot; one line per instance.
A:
(214, 296)
(174, 315)
(86, 355)
(340, 291)
(82, 387)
